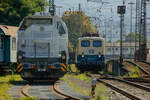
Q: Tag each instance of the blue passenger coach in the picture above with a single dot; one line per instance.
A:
(8, 45)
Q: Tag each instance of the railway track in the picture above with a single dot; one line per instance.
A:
(129, 89)
(145, 67)
(142, 81)
(45, 92)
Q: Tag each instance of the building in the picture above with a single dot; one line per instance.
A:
(113, 49)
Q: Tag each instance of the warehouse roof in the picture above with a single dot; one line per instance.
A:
(9, 30)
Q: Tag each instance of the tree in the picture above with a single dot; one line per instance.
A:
(13, 11)
(131, 38)
(78, 23)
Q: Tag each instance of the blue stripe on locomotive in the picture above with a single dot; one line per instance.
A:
(91, 59)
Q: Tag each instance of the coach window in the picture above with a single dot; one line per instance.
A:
(85, 43)
(108, 49)
(97, 43)
(116, 49)
(1, 43)
(13, 43)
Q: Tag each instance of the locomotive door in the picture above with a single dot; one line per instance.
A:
(42, 44)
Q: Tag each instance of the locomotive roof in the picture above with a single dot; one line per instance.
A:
(9, 30)
(41, 16)
(84, 38)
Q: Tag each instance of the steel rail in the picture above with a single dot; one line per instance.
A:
(125, 93)
(69, 97)
(143, 70)
(24, 91)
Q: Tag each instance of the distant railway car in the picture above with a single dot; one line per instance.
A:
(42, 47)
(8, 45)
(90, 53)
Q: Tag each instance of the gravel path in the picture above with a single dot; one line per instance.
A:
(64, 87)
(43, 92)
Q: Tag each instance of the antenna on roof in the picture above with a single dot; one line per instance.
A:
(52, 8)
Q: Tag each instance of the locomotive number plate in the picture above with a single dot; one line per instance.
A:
(91, 51)
(41, 70)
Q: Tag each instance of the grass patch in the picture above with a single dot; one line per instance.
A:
(83, 77)
(135, 73)
(27, 98)
(102, 91)
(5, 83)
(75, 87)
(74, 68)
(4, 87)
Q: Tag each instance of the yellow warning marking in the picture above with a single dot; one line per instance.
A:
(19, 66)
(20, 69)
(64, 65)
(63, 69)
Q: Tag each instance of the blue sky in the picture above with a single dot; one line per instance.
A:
(90, 8)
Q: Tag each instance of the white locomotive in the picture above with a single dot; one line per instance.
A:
(90, 53)
(42, 47)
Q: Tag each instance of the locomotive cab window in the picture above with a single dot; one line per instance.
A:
(13, 43)
(85, 43)
(97, 43)
(60, 28)
(28, 22)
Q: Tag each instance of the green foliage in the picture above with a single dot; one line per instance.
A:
(77, 23)
(83, 77)
(74, 68)
(5, 85)
(134, 73)
(98, 98)
(101, 91)
(13, 11)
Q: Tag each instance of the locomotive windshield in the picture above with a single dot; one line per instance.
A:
(30, 21)
(85, 43)
(97, 43)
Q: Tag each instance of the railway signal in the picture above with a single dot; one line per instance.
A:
(121, 10)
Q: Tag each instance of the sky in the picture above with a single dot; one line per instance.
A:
(90, 8)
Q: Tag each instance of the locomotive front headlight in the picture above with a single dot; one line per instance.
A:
(99, 56)
(59, 55)
(82, 56)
